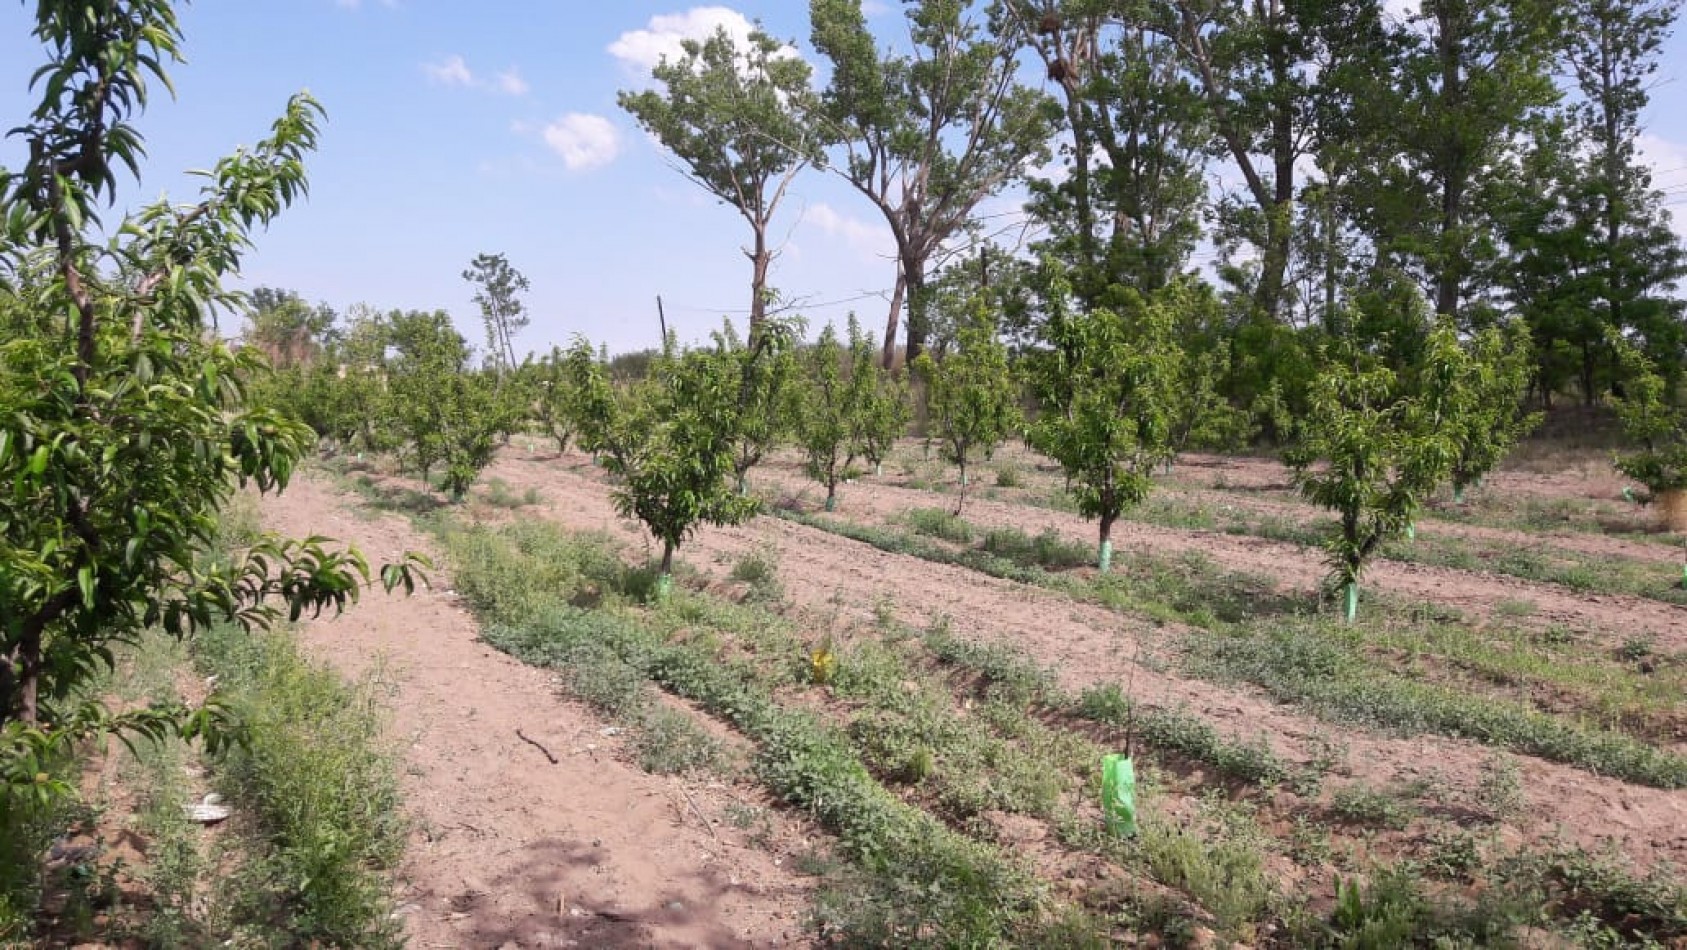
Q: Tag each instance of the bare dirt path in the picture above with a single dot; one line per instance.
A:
(1088, 645)
(1292, 566)
(508, 849)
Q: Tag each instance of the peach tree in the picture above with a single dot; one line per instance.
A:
(972, 398)
(1118, 382)
(125, 425)
(1380, 436)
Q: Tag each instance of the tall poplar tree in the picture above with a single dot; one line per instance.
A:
(925, 136)
(733, 117)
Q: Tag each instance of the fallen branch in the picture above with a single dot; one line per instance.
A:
(523, 737)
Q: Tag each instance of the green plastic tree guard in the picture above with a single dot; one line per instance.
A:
(1118, 794)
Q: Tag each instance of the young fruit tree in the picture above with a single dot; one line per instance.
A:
(1378, 439)
(669, 439)
(1492, 421)
(1652, 420)
(882, 406)
(766, 367)
(448, 415)
(971, 396)
(553, 397)
(1123, 376)
(827, 417)
(124, 423)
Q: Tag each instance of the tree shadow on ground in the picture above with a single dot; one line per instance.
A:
(386, 496)
(536, 903)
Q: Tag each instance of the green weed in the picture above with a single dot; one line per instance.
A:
(938, 523)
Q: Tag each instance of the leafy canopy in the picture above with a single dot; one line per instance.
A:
(125, 425)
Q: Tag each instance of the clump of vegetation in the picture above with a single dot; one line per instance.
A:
(1047, 548)
(314, 769)
(939, 523)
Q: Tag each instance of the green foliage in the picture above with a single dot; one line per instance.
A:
(1118, 383)
(828, 414)
(736, 118)
(1489, 420)
(321, 788)
(447, 416)
(1047, 548)
(498, 290)
(926, 134)
(287, 330)
(555, 396)
(767, 366)
(881, 407)
(124, 423)
(1378, 440)
(1651, 419)
(670, 438)
(971, 397)
(939, 523)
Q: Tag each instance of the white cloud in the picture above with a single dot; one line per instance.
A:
(874, 7)
(865, 238)
(451, 71)
(583, 140)
(510, 83)
(639, 50)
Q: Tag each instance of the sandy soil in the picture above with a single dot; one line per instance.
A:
(1089, 645)
(509, 850)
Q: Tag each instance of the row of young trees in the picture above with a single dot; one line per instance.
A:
(1481, 155)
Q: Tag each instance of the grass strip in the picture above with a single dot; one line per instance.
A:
(315, 793)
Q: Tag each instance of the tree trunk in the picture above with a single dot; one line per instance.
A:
(1587, 373)
(27, 664)
(832, 495)
(667, 557)
(893, 322)
(760, 258)
(1279, 217)
(1449, 279)
(1104, 557)
(961, 496)
(919, 306)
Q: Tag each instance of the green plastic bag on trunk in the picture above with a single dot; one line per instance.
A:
(1118, 794)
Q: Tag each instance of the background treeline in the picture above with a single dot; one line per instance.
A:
(1326, 168)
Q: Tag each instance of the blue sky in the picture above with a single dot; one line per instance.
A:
(458, 128)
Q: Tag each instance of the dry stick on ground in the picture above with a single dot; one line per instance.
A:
(523, 737)
(699, 813)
